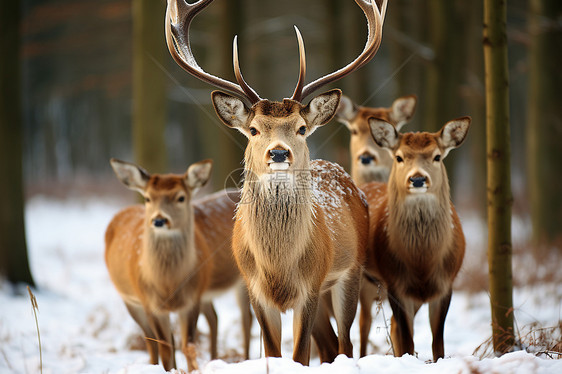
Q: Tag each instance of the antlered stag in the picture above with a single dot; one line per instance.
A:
(418, 243)
(302, 226)
(173, 255)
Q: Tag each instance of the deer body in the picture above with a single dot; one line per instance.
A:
(172, 256)
(417, 239)
(371, 163)
(301, 227)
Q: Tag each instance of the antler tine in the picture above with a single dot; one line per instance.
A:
(179, 15)
(250, 93)
(297, 94)
(375, 18)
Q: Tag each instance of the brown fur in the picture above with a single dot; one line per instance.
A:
(176, 271)
(416, 237)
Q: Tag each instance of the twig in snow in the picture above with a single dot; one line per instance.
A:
(35, 308)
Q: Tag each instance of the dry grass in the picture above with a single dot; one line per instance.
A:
(542, 341)
(35, 308)
(532, 266)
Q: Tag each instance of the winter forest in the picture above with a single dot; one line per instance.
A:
(83, 82)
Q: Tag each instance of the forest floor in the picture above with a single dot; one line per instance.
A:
(85, 328)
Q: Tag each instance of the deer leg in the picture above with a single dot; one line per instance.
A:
(323, 333)
(367, 294)
(303, 322)
(345, 295)
(161, 326)
(270, 323)
(246, 316)
(188, 324)
(437, 312)
(211, 316)
(402, 325)
(138, 314)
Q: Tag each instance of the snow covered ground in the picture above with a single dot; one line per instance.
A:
(85, 328)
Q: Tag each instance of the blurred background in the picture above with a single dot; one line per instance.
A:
(98, 82)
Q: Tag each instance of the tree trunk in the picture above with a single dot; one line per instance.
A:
(499, 186)
(149, 85)
(229, 144)
(14, 263)
(544, 123)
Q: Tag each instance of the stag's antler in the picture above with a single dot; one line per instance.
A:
(179, 15)
(375, 19)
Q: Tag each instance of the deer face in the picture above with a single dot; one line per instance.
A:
(167, 197)
(276, 131)
(370, 160)
(418, 157)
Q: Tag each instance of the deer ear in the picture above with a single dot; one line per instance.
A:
(403, 110)
(198, 174)
(131, 175)
(321, 109)
(383, 133)
(231, 110)
(347, 110)
(453, 134)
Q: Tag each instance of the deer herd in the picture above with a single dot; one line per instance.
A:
(301, 234)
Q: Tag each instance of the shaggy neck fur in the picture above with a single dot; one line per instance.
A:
(168, 255)
(277, 213)
(420, 225)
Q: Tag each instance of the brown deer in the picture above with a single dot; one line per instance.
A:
(417, 239)
(173, 255)
(302, 226)
(369, 162)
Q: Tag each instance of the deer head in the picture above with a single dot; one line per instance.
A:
(369, 162)
(276, 131)
(167, 197)
(418, 167)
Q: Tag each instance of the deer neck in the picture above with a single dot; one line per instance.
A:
(419, 226)
(277, 214)
(167, 255)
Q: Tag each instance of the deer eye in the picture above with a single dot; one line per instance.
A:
(147, 199)
(181, 199)
(354, 132)
(254, 131)
(399, 159)
(437, 158)
(302, 130)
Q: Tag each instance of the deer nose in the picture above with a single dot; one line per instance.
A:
(366, 158)
(278, 155)
(159, 222)
(418, 181)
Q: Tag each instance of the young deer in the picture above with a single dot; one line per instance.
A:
(418, 242)
(369, 162)
(302, 226)
(172, 255)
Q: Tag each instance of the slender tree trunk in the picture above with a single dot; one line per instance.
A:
(229, 144)
(544, 123)
(149, 85)
(475, 99)
(14, 263)
(499, 186)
